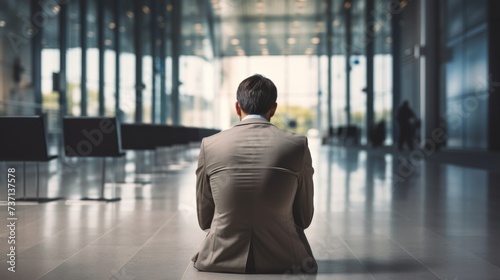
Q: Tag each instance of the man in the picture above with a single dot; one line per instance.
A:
(405, 116)
(254, 191)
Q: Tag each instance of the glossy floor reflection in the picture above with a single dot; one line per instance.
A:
(374, 219)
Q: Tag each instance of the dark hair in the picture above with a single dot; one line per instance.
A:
(256, 95)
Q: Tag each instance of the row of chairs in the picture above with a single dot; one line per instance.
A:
(24, 139)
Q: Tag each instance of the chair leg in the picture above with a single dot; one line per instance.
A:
(24, 180)
(103, 176)
(37, 182)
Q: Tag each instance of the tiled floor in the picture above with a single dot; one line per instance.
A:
(442, 222)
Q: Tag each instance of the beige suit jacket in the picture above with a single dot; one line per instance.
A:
(254, 194)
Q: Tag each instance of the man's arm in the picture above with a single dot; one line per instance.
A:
(204, 201)
(303, 207)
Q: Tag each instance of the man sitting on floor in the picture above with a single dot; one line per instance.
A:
(254, 191)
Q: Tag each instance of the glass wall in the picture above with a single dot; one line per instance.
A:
(465, 46)
(16, 91)
(197, 71)
(84, 51)
(297, 88)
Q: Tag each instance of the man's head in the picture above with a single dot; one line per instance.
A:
(256, 95)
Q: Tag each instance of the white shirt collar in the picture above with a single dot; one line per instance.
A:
(254, 117)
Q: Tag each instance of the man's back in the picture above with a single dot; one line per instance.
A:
(254, 193)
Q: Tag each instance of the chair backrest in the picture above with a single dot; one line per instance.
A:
(151, 136)
(142, 136)
(23, 138)
(91, 137)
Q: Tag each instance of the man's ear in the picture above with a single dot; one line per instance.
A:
(273, 110)
(238, 108)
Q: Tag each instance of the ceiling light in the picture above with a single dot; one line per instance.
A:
(146, 9)
(3, 23)
(170, 7)
(235, 42)
(336, 22)
(377, 27)
(291, 41)
(56, 9)
(108, 42)
(262, 41)
(315, 40)
(112, 25)
(130, 14)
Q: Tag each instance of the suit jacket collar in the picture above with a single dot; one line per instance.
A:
(253, 121)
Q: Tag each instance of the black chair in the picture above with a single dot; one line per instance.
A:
(93, 137)
(153, 137)
(144, 137)
(23, 139)
(349, 132)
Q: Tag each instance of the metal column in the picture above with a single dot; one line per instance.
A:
(138, 44)
(163, 59)
(494, 79)
(154, 57)
(36, 62)
(117, 36)
(396, 72)
(329, 50)
(100, 43)
(83, 42)
(176, 53)
(370, 51)
(429, 67)
(63, 47)
(348, 38)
